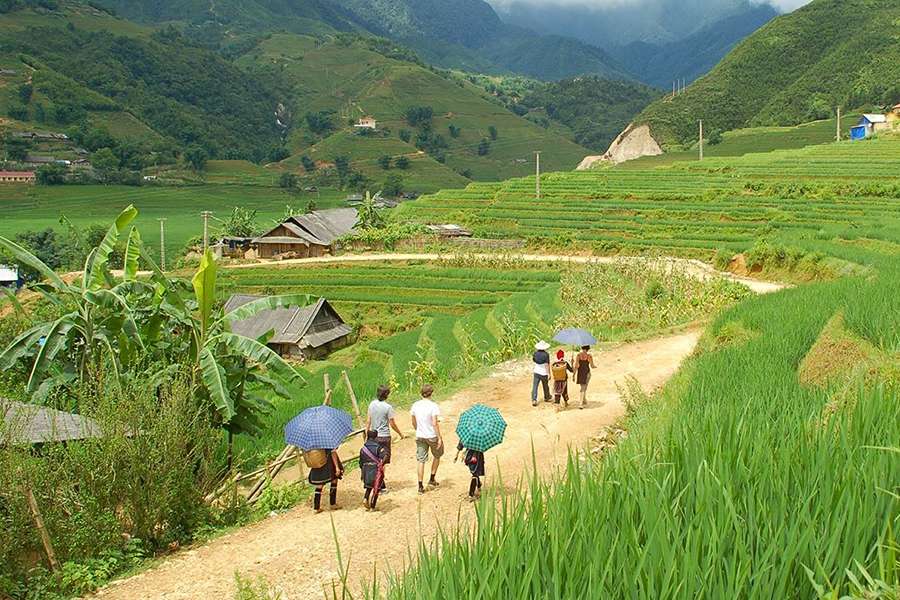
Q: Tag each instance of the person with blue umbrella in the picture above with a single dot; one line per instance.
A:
(584, 362)
(319, 431)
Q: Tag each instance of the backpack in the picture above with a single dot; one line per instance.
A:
(315, 459)
(559, 371)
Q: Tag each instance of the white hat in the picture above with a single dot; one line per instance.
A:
(541, 345)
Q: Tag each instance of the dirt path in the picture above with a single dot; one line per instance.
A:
(295, 551)
(693, 267)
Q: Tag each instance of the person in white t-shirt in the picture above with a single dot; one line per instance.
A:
(425, 415)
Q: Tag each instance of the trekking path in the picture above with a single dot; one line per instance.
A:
(696, 268)
(295, 551)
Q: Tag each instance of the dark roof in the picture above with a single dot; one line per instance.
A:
(321, 227)
(307, 326)
(22, 423)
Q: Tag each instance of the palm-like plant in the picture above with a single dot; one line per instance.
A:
(129, 322)
(368, 215)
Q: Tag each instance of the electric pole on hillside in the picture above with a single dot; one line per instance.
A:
(537, 179)
(162, 243)
(838, 136)
(206, 214)
(701, 139)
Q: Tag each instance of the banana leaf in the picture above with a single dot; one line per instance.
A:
(251, 308)
(260, 354)
(216, 384)
(132, 254)
(54, 341)
(204, 283)
(95, 275)
(23, 345)
(25, 257)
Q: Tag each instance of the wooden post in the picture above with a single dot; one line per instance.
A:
(701, 139)
(838, 136)
(328, 390)
(359, 418)
(301, 464)
(42, 529)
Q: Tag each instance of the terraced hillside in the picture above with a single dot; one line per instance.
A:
(800, 197)
(453, 315)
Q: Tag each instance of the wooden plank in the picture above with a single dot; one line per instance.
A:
(42, 529)
(359, 419)
(328, 390)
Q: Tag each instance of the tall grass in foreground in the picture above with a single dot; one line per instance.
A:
(731, 485)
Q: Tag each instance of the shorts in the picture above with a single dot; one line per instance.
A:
(423, 446)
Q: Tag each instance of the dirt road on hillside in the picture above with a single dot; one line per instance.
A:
(693, 267)
(295, 551)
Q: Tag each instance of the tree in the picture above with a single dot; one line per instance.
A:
(51, 175)
(308, 164)
(196, 156)
(402, 163)
(454, 130)
(104, 160)
(393, 185)
(419, 116)
(492, 131)
(278, 154)
(25, 92)
(18, 111)
(484, 146)
(287, 181)
(240, 223)
(405, 135)
(16, 148)
(342, 164)
(384, 162)
(320, 122)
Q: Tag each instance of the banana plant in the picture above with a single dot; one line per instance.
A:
(237, 373)
(97, 322)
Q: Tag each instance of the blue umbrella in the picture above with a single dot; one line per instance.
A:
(575, 337)
(318, 427)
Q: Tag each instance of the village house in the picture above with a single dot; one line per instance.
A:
(9, 277)
(366, 123)
(893, 115)
(17, 177)
(29, 424)
(301, 332)
(303, 236)
(869, 124)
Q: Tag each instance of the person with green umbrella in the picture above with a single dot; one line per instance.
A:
(480, 428)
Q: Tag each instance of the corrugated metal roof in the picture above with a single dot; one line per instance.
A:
(22, 423)
(328, 225)
(873, 118)
(281, 239)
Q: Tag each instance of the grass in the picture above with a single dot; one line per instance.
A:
(25, 208)
(808, 197)
(737, 480)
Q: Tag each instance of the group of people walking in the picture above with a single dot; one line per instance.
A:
(375, 454)
(557, 373)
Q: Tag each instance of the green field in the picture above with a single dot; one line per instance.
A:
(24, 208)
(768, 467)
(805, 196)
(442, 307)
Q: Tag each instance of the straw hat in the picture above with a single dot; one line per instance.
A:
(542, 345)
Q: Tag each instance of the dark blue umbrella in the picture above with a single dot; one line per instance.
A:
(575, 337)
(318, 427)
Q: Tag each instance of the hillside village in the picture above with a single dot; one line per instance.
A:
(265, 266)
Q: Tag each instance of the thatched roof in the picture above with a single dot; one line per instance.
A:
(22, 424)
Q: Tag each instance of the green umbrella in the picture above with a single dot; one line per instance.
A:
(480, 428)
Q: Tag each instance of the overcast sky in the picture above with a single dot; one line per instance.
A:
(783, 5)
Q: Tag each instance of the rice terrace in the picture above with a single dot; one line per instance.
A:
(299, 306)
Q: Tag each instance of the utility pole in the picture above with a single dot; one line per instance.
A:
(701, 139)
(838, 136)
(206, 214)
(673, 89)
(162, 243)
(537, 179)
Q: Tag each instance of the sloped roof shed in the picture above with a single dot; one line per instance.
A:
(24, 424)
(310, 326)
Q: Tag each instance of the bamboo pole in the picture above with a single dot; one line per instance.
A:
(328, 390)
(266, 475)
(359, 419)
(42, 529)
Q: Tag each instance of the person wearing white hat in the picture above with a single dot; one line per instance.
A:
(541, 372)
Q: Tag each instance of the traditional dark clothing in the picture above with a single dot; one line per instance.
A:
(372, 459)
(475, 462)
(330, 472)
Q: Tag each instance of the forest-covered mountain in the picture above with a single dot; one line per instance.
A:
(695, 55)
(798, 68)
(465, 34)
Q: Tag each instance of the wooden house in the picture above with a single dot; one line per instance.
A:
(301, 332)
(17, 177)
(309, 235)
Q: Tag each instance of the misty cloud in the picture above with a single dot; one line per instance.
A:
(782, 5)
